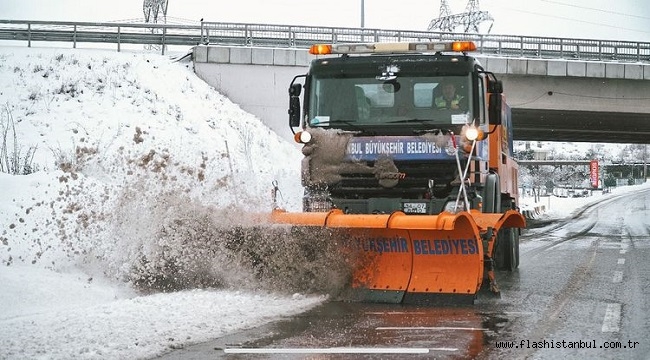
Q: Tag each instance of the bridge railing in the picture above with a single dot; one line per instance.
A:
(505, 45)
(295, 36)
(100, 33)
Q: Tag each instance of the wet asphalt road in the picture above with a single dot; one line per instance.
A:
(583, 287)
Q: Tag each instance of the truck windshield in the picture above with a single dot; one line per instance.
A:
(390, 101)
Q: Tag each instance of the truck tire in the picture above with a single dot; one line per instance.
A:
(492, 194)
(500, 251)
(516, 234)
(508, 204)
(506, 254)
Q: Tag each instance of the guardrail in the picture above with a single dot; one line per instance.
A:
(240, 34)
(504, 45)
(101, 33)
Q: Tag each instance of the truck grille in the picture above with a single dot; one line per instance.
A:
(412, 185)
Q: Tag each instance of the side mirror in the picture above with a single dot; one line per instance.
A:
(294, 105)
(495, 100)
(495, 86)
(295, 90)
(494, 108)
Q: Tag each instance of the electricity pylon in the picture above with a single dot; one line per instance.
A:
(151, 9)
(445, 22)
(468, 21)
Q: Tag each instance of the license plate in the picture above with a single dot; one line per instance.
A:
(415, 208)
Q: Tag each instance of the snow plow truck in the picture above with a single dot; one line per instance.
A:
(408, 160)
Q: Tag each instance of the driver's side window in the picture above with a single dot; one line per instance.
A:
(450, 95)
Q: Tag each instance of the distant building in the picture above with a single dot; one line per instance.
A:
(540, 154)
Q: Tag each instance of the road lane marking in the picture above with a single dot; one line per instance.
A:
(509, 313)
(334, 350)
(618, 277)
(394, 312)
(612, 318)
(623, 248)
(621, 261)
(515, 313)
(436, 328)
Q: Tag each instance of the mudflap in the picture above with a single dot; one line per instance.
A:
(490, 226)
(405, 258)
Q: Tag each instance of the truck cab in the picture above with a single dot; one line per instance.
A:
(386, 127)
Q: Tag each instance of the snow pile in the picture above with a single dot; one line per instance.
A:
(128, 143)
(96, 325)
(142, 179)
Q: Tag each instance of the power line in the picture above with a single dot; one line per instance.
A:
(577, 20)
(596, 9)
(603, 97)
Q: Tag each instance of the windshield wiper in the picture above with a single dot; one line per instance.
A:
(428, 122)
(432, 131)
(402, 121)
(338, 122)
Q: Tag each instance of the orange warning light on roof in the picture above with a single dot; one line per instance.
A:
(320, 49)
(463, 46)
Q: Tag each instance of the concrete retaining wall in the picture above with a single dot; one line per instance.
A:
(534, 213)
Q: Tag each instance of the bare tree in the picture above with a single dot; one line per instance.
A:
(12, 160)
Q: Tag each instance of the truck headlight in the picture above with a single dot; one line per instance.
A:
(302, 137)
(472, 133)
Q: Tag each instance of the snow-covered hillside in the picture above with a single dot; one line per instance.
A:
(125, 142)
(136, 163)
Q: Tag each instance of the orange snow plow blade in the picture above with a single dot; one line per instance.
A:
(409, 258)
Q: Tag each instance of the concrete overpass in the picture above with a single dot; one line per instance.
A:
(551, 99)
(601, 95)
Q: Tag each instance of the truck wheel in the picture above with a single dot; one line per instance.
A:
(516, 234)
(506, 254)
(500, 252)
(492, 194)
(512, 249)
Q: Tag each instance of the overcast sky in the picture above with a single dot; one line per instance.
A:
(596, 19)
